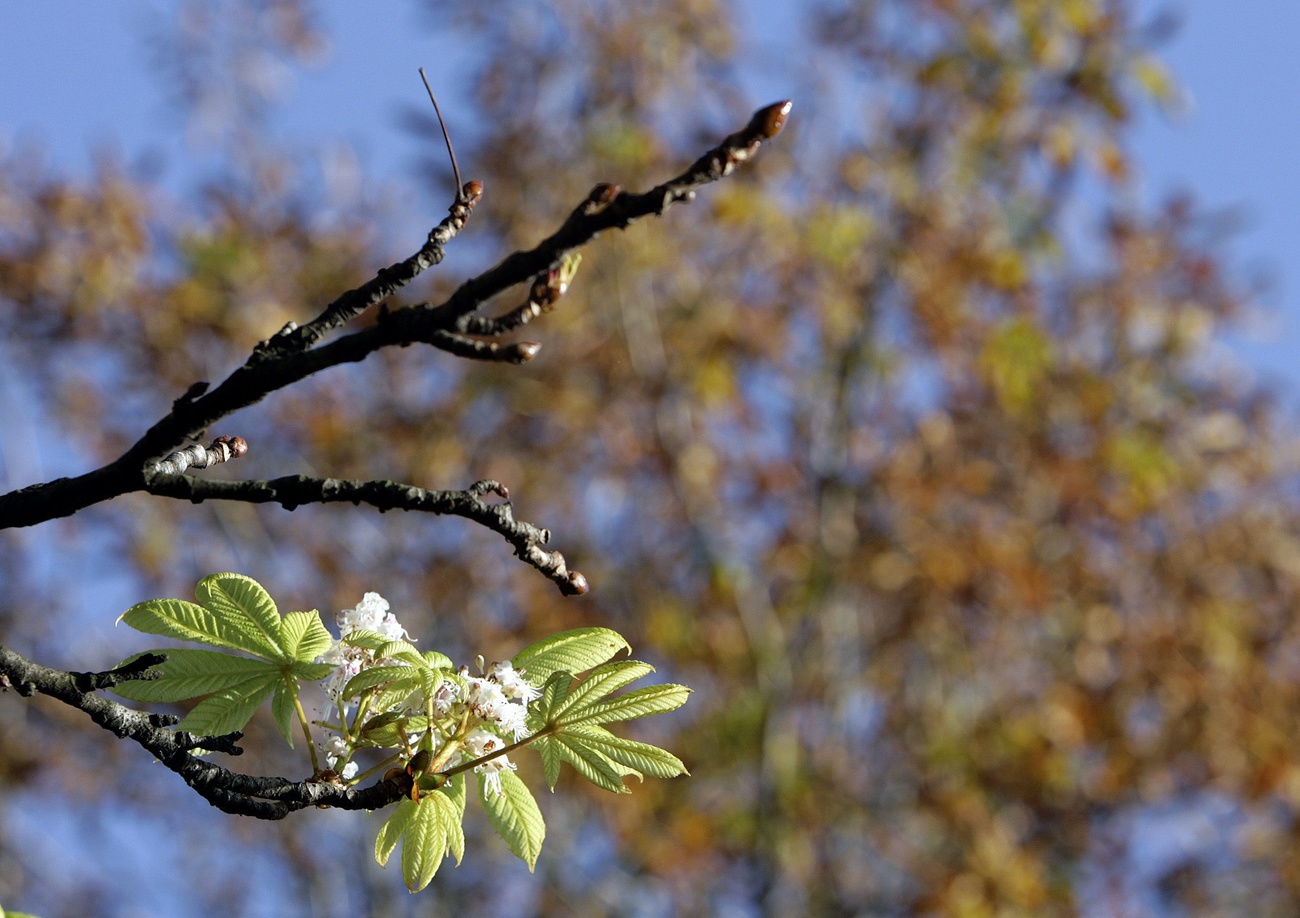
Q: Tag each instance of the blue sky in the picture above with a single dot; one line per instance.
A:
(80, 81)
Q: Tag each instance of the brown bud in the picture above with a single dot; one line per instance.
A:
(522, 352)
(238, 446)
(769, 120)
(577, 584)
(473, 190)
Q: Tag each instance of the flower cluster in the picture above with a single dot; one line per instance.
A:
(464, 718)
(371, 614)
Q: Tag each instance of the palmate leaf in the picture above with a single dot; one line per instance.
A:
(515, 816)
(572, 651)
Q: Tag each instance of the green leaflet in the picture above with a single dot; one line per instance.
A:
(653, 699)
(245, 604)
(642, 758)
(283, 709)
(390, 833)
(432, 831)
(572, 651)
(551, 760)
(601, 681)
(188, 673)
(230, 709)
(304, 637)
(591, 763)
(515, 816)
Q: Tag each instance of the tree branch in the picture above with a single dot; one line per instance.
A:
(293, 491)
(229, 791)
(295, 353)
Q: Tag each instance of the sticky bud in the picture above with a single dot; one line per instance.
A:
(473, 190)
(577, 584)
(238, 446)
(769, 120)
(523, 352)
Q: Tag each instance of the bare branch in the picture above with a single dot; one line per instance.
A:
(294, 491)
(293, 354)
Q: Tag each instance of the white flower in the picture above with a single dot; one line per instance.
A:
(335, 749)
(512, 719)
(371, 614)
(484, 698)
(447, 694)
(513, 683)
(350, 771)
(483, 742)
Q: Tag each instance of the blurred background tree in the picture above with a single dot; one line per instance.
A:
(909, 450)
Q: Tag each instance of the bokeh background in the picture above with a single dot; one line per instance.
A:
(947, 450)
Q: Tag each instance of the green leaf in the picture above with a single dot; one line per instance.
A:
(602, 681)
(230, 709)
(311, 672)
(381, 675)
(177, 618)
(435, 660)
(454, 790)
(591, 763)
(640, 757)
(390, 833)
(400, 651)
(242, 601)
(515, 816)
(553, 694)
(189, 673)
(573, 651)
(653, 699)
(424, 843)
(551, 760)
(284, 709)
(304, 637)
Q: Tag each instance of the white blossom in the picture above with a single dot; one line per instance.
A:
(513, 683)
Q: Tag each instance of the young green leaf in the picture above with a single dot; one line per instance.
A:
(640, 757)
(382, 675)
(549, 751)
(573, 651)
(590, 762)
(601, 681)
(230, 709)
(284, 709)
(186, 621)
(243, 602)
(515, 816)
(425, 841)
(653, 699)
(304, 637)
(390, 833)
(554, 692)
(189, 673)
(454, 790)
